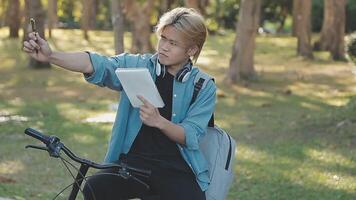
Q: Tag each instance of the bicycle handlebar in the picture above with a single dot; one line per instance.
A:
(54, 146)
(39, 136)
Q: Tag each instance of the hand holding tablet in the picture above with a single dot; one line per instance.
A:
(138, 81)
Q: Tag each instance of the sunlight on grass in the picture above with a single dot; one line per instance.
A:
(71, 111)
(85, 139)
(319, 170)
(251, 155)
(102, 118)
(252, 92)
(321, 92)
(7, 63)
(310, 106)
(11, 167)
(330, 179)
(330, 157)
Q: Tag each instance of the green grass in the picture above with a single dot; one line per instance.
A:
(295, 125)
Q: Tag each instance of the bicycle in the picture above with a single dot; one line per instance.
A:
(54, 146)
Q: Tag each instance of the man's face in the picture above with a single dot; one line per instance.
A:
(173, 49)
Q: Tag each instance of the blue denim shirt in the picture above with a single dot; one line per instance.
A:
(194, 119)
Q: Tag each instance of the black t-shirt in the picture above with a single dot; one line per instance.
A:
(153, 146)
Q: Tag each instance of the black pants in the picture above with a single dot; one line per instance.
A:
(167, 184)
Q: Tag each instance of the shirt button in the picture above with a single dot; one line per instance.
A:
(174, 114)
(174, 95)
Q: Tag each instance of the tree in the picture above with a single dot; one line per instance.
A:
(139, 14)
(86, 17)
(337, 48)
(241, 62)
(33, 9)
(164, 6)
(13, 18)
(199, 5)
(52, 16)
(324, 42)
(295, 13)
(303, 28)
(333, 29)
(118, 25)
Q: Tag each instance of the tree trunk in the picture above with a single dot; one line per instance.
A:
(199, 5)
(52, 16)
(337, 46)
(33, 9)
(327, 29)
(242, 62)
(295, 11)
(164, 6)
(13, 18)
(139, 14)
(118, 25)
(94, 12)
(86, 17)
(303, 30)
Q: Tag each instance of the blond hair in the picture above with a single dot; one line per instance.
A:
(187, 21)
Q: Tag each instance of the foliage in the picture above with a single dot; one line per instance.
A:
(3, 6)
(350, 16)
(351, 47)
(275, 11)
(69, 13)
(66, 14)
(222, 13)
(317, 15)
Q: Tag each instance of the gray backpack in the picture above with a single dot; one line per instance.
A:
(218, 148)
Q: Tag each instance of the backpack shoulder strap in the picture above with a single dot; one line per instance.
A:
(200, 82)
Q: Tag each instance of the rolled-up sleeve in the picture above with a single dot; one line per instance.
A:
(198, 116)
(104, 69)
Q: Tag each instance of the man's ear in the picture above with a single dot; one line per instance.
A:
(193, 50)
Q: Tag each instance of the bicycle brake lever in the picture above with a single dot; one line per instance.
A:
(37, 147)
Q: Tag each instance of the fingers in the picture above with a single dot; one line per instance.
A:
(27, 47)
(34, 44)
(143, 114)
(31, 44)
(141, 98)
(36, 37)
(144, 101)
(33, 35)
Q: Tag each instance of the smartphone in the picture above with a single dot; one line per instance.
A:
(33, 26)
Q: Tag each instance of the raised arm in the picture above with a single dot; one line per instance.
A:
(73, 61)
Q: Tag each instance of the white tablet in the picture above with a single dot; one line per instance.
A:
(138, 81)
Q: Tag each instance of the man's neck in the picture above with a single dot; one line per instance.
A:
(173, 69)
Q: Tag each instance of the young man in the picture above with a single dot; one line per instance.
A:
(164, 140)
